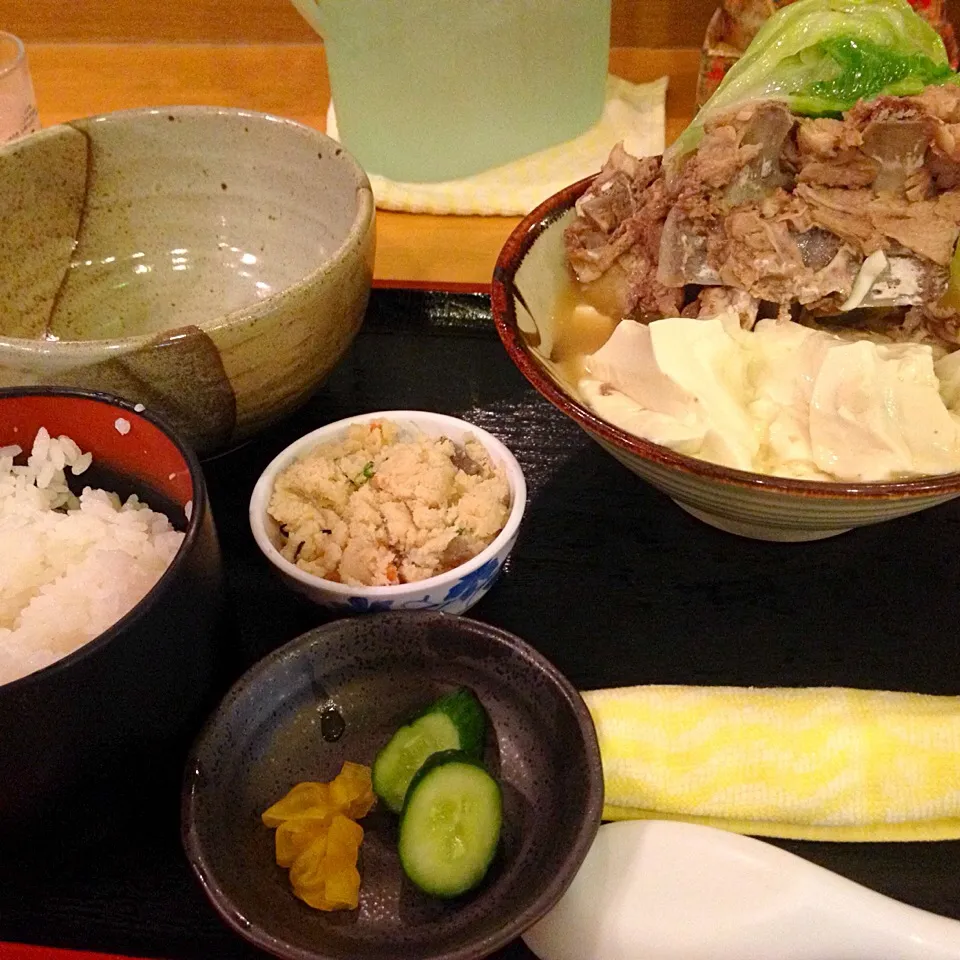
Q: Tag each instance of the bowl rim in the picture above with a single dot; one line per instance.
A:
(503, 291)
(19, 54)
(555, 886)
(361, 226)
(200, 507)
(264, 487)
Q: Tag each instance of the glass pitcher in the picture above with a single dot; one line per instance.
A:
(429, 90)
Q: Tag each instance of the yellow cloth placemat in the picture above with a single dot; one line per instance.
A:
(824, 763)
(634, 113)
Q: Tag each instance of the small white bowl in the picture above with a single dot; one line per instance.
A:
(454, 591)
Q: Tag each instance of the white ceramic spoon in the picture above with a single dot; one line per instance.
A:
(661, 890)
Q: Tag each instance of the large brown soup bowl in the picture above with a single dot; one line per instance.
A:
(531, 282)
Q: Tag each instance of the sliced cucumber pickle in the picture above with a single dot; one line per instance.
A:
(455, 721)
(450, 824)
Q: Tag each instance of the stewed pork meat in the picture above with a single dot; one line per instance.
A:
(779, 208)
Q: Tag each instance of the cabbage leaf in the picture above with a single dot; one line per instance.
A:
(822, 56)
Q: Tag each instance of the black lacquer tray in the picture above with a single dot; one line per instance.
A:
(609, 580)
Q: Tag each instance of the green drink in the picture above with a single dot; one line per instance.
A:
(429, 90)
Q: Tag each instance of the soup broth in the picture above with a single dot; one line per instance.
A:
(584, 317)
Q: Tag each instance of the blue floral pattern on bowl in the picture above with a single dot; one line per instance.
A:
(458, 598)
(362, 605)
(467, 590)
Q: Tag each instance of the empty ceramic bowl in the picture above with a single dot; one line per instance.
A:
(455, 590)
(374, 673)
(211, 263)
(530, 280)
(136, 694)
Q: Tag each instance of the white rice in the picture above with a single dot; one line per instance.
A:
(69, 567)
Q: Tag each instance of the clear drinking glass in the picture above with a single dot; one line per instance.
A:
(18, 106)
(429, 90)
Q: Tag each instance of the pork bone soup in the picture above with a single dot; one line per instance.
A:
(780, 292)
(72, 564)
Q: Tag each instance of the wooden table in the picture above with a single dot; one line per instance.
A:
(76, 80)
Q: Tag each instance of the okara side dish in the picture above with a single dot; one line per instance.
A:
(376, 508)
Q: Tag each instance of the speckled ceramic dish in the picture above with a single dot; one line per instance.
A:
(529, 276)
(213, 264)
(453, 591)
(376, 672)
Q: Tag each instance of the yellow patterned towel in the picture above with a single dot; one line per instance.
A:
(823, 763)
(634, 113)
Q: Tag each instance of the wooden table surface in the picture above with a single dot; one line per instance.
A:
(76, 80)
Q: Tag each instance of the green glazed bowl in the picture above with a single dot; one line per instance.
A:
(212, 264)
